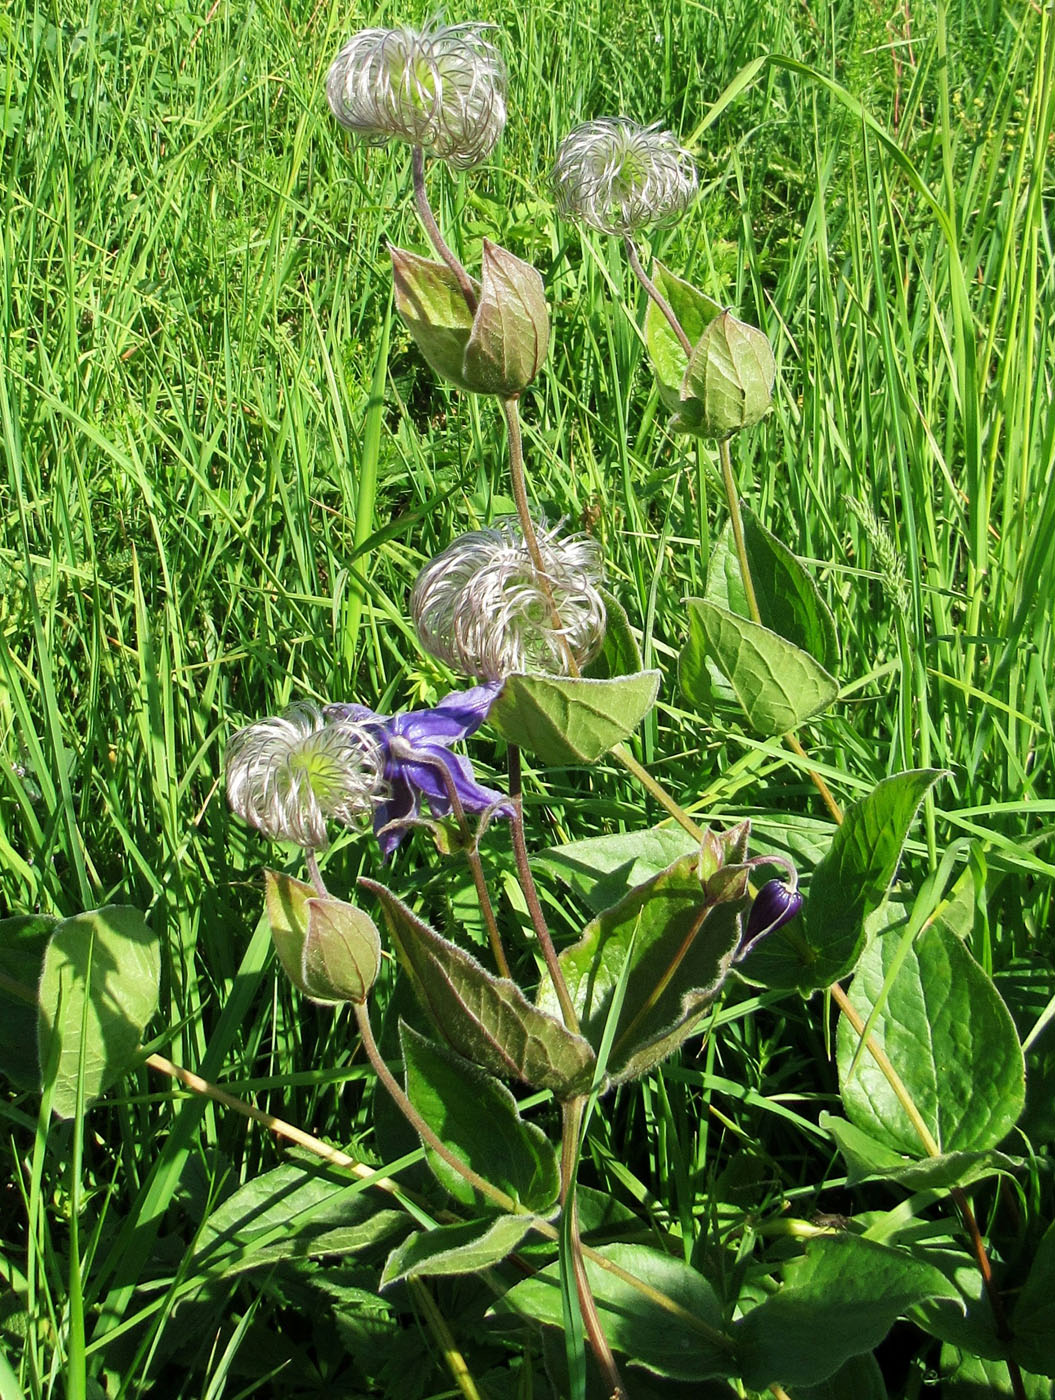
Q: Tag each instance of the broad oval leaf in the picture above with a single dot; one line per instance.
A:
(100, 982)
(645, 969)
(23, 943)
(788, 598)
(431, 305)
(848, 886)
(295, 1211)
(604, 869)
(487, 1019)
(778, 685)
(569, 720)
(949, 1036)
(839, 1300)
(685, 1341)
(456, 1249)
(477, 1118)
(869, 1160)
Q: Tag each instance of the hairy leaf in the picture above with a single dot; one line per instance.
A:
(562, 720)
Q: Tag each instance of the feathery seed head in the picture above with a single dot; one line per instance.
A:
(619, 177)
(480, 605)
(442, 88)
(289, 773)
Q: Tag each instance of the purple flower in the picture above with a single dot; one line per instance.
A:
(418, 762)
(775, 905)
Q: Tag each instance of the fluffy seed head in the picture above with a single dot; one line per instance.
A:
(442, 89)
(620, 177)
(287, 774)
(480, 605)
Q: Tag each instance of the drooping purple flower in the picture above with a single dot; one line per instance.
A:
(775, 905)
(418, 762)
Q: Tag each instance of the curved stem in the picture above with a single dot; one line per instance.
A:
(657, 296)
(414, 1118)
(315, 874)
(527, 884)
(571, 1122)
(432, 228)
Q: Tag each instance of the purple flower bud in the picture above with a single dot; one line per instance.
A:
(776, 904)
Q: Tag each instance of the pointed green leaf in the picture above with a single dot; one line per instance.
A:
(1033, 1321)
(456, 1249)
(564, 720)
(860, 1377)
(839, 1300)
(620, 654)
(23, 943)
(604, 869)
(477, 1118)
(788, 599)
(685, 1343)
(949, 1036)
(967, 1377)
(849, 885)
(694, 310)
(679, 930)
(434, 311)
(778, 685)
(869, 1160)
(485, 1018)
(510, 333)
(286, 904)
(342, 951)
(295, 1211)
(100, 979)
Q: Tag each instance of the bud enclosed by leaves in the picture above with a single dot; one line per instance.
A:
(728, 384)
(330, 950)
(496, 348)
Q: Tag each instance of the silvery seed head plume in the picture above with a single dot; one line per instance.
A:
(286, 775)
(480, 606)
(619, 177)
(442, 89)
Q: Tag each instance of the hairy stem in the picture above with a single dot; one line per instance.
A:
(527, 884)
(657, 296)
(432, 228)
(315, 874)
(571, 1123)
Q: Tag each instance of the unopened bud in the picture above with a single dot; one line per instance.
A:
(775, 905)
(499, 348)
(329, 950)
(728, 384)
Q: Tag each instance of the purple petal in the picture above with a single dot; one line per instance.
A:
(458, 715)
(357, 713)
(402, 806)
(775, 905)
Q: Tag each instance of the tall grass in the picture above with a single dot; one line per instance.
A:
(223, 466)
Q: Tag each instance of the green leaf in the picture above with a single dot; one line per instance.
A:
(778, 685)
(679, 931)
(456, 1249)
(788, 599)
(477, 1118)
(485, 1018)
(949, 1036)
(294, 1211)
(620, 654)
(23, 943)
(849, 885)
(604, 869)
(869, 1160)
(860, 1377)
(100, 978)
(839, 1300)
(685, 1344)
(1033, 1321)
(695, 311)
(967, 1377)
(286, 904)
(434, 311)
(566, 720)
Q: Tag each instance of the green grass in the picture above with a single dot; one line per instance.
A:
(220, 479)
